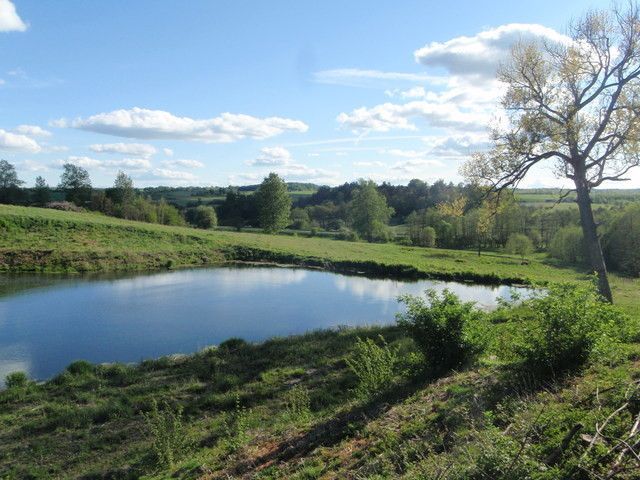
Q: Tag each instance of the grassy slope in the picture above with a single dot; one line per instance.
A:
(90, 425)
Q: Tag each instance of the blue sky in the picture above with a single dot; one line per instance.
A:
(219, 93)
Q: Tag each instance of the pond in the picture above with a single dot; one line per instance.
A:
(48, 321)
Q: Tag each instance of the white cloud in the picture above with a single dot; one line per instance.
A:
(9, 19)
(87, 162)
(31, 131)
(363, 78)
(2, 82)
(313, 154)
(457, 146)
(276, 156)
(59, 123)
(20, 143)
(142, 150)
(183, 163)
(369, 164)
(416, 165)
(479, 56)
(166, 174)
(31, 166)
(389, 116)
(278, 160)
(168, 152)
(157, 124)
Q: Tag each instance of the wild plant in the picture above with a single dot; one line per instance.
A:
(298, 403)
(373, 365)
(169, 438)
(236, 426)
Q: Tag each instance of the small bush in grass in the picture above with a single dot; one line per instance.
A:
(16, 380)
(448, 332)
(298, 403)
(572, 325)
(373, 365)
(169, 439)
(80, 367)
(236, 426)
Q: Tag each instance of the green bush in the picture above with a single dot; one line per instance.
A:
(236, 426)
(373, 365)
(449, 332)
(80, 367)
(169, 440)
(16, 380)
(572, 323)
(297, 403)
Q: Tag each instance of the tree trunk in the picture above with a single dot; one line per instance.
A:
(591, 240)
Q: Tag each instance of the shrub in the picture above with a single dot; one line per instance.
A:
(572, 323)
(169, 440)
(16, 380)
(297, 403)
(236, 426)
(373, 365)
(80, 367)
(449, 332)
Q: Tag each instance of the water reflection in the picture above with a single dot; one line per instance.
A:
(54, 320)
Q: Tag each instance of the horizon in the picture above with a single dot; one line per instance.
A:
(201, 94)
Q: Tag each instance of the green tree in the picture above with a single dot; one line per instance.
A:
(41, 192)
(9, 183)
(578, 103)
(519, 244)
(205, 217)
(123, 192)
(75, 180)
(368, 211)
(274, 204)
(622, 241)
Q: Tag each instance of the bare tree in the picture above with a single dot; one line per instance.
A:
(576, 102)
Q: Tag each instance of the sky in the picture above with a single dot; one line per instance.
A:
(213, 93)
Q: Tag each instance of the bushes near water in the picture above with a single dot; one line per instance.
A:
(448, 332)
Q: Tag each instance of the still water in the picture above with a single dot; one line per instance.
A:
(48, 321)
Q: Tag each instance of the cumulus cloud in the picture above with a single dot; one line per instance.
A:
(456, 146)
(166, 174)
(157, 124)
(31, 131)
(416, 165)
(142, 150)
(183, 163)
(168, 152)
(276, 156)
(480, 55)
(390, 116)
(93, 163)
(15, 142)
(10, 21)
(59, 123)
(31, 166)
(279, 160)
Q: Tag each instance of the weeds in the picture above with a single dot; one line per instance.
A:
(236, 426)
(169, 437)
(373, 365)
(298, 403)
